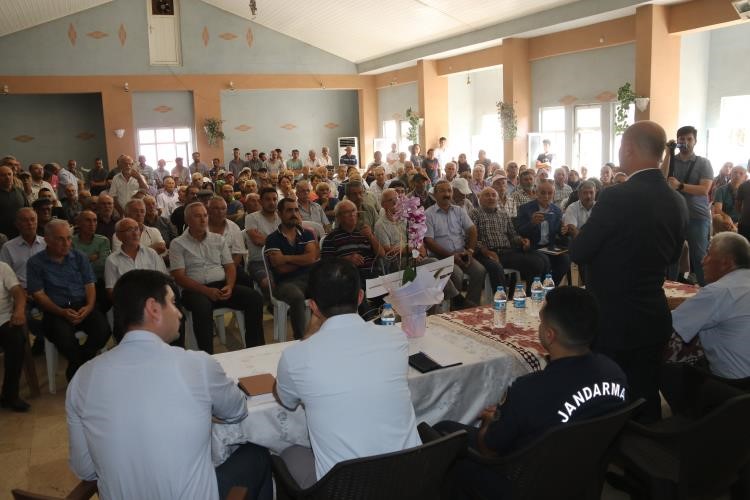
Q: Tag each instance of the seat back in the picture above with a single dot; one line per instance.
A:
(83, 491)
(315, 227)
(269, 273)
(571, 458)
(714, 449)
(409, 474)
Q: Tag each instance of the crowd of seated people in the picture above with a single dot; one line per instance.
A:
(205, 238)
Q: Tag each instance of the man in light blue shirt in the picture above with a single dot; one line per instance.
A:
(720, 313)
(139, 416)
(450, 232)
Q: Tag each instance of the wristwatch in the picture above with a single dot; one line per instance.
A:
(681, 186)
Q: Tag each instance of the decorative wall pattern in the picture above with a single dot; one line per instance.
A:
(72, 34)
(289, 126)
(122, 35)
(243, 127)
(97, 35)
(23, 138)
(204, 36)
(568, 99)
(331, 125)
(162, 109)
(227, 36)
(606, 96)
(249, 38)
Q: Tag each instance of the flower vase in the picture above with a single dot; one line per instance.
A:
(414, 324)
(410, 271)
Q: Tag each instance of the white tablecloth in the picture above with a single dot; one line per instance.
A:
(456, 393)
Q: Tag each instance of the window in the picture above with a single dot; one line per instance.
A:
(587, 141)
(552, 122)
(390, 130)
(165, 144)
(731, 140)
(489, 139)
(616, 139)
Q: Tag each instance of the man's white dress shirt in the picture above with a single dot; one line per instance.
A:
(139, 419)
(352, 378)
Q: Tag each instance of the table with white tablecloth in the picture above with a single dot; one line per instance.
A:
(456, 393)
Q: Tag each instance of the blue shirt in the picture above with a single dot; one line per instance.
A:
(277, 241)
(448, 227)
(63, 282)
(720, 315)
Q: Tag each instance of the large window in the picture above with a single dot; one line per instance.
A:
(165, 144)
(731, 140)
(552, 122)
(587, 141)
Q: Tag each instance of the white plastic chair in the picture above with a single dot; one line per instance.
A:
(489, 293)
(52, 357)
(316, 227)
(218, 314)
(280, 308)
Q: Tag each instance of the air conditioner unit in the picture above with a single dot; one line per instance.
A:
(742, 7)
(344, 142)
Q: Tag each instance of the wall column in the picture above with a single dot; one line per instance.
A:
(517, 90)
(368, 121)
(208, 105)
(117, 108)
(432, 90)
(657, 67)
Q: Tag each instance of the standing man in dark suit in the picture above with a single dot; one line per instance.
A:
(635, 231)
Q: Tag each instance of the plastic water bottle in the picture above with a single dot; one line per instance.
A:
(387, 316)
(548, 284)
(519, 298)
(537, 294)
(499, 303)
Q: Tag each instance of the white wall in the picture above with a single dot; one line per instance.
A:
(467, 103)
(729, 68)
(694, 76)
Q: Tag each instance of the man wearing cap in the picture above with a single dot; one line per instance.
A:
(418, 183)
(348, 158)
(463, 196)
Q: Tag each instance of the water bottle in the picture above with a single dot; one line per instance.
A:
(498, 308)
(548, 284)
(387, 316)
(537, 295)
(519, 298)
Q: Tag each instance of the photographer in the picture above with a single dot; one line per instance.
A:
(691, 176)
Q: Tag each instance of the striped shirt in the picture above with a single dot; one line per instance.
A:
(340, 243)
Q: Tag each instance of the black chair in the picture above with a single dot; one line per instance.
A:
(680, 457)
(568, 462)
(414, 473)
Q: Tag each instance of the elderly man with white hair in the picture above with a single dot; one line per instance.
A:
(309, 210)
(719, 314)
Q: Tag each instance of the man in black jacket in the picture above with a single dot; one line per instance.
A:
(635, 231)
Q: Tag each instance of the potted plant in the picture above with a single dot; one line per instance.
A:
(414, 123)
(212, 127)
(506, 113)
(625, 97)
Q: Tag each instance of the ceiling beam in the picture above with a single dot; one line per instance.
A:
(700, 15)
(485, 58)
(565, 13)
(596, 36)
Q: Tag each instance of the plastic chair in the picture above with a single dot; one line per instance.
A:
(218, 318)
(572, 459)
(280, 308)
(52, 357)
(681, 457)
(414, 473)
(316, 227)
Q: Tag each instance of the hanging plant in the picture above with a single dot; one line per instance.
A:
(625, 97)
(212, 127)
(414, 123)
(506, 113)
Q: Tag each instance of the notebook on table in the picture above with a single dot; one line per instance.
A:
(255, 385)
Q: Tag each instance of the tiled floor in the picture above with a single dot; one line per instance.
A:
(34, 446)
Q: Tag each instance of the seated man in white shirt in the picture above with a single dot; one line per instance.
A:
(720, 313)
(203, 267)
(351, 412)
(578, 212)
(139, 415)
(150, 236)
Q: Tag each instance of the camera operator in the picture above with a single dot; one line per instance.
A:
(692, 176)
